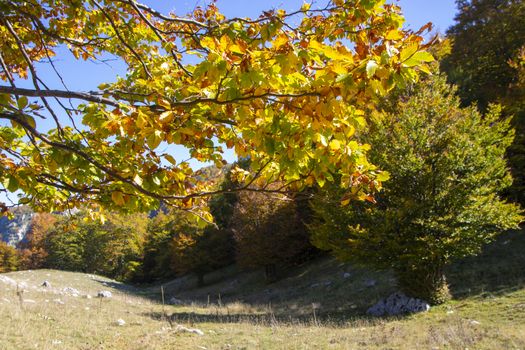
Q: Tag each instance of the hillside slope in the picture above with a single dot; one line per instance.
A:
(316, 306)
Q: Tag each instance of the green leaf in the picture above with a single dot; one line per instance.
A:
(22, 102)
(11, 183)
(154, 139)
(383, 176)
(24, 200)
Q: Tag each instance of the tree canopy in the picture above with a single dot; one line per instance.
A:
(488, 34)
(286, 89)
(448, 168)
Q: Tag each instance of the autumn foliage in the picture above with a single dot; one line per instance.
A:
(269, 232)
(9, 258)
(289, 90)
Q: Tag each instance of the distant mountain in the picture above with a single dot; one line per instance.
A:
(14, 231)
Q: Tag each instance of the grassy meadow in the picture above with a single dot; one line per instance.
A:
(320, 305)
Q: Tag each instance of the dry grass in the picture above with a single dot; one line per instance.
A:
(280, 316)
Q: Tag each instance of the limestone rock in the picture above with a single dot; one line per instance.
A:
(370, 283)
(14, 231)
(104, 294)
(181, 328)
(71, 291)
(175, 301)
(46, 284)
(398, 304)
(8, 280)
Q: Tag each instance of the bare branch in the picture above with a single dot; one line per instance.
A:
(34, 76)
(122, 40)
(91, 97)
(166, 18)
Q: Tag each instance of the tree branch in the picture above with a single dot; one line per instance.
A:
(59, 93)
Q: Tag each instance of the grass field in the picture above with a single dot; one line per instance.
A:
(320, 305)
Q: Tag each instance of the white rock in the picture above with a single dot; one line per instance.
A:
(71, 291)
(475, 323)
(29, 301)
(8, 280)
(56, 342)
(175, 301)
(104, 294)
(347, 275)
(181, 328)
(121, 322)
(398, 304)
(370, 283)
(58, 301)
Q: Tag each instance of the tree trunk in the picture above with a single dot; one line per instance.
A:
(270, 272)
(200, 279)
(425, 282)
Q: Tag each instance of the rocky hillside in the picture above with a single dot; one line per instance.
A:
(14, 231)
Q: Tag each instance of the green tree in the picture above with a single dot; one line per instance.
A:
(200, 251)
(114, 248)
(156, 263)
(442, 202)
(488, 38)
(9, 260)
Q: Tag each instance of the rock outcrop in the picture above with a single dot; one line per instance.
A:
(14, 231)
(398, 304)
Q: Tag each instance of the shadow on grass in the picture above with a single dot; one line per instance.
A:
(128, 289)
(267, 319)
(499, 269)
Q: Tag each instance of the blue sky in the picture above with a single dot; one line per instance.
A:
(87, 76)
(417, 13)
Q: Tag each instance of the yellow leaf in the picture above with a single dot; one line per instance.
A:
(167, 117)
(408, 51)
(281, 40)
(118, 198)
(208, 42)
(335, 145)
(237, 49)
(170, 159)
(394, 35)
